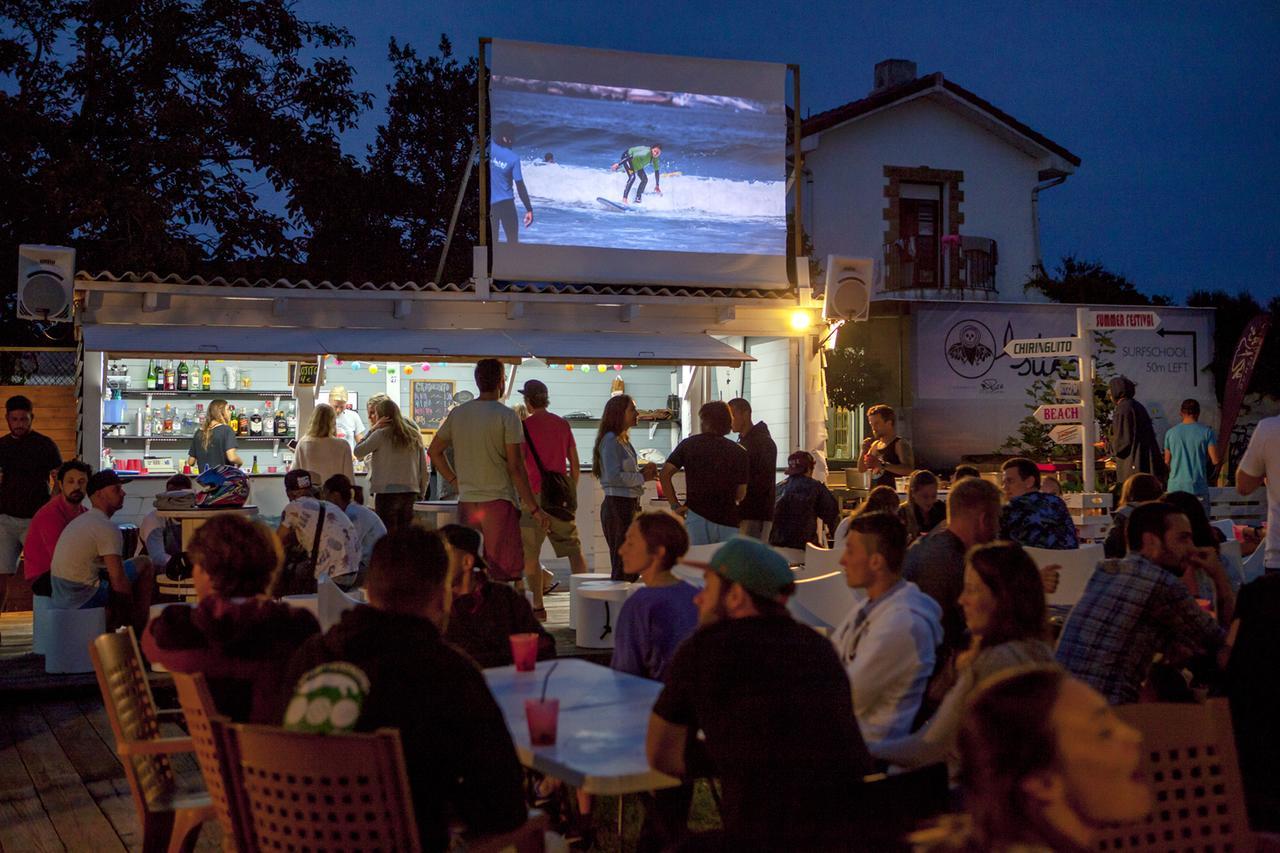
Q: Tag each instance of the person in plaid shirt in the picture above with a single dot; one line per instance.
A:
(1138, 606)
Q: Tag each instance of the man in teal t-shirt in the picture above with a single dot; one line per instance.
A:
(1190, 450)
(634, 160)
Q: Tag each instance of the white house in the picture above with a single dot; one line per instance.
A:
(935, 183)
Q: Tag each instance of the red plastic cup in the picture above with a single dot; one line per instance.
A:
(524, 651)
(542, 717)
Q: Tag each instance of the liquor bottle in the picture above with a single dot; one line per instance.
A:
(151, 374)
(281, 425)
(243, 427)
(168, 376)
(168, 419)
(184, 377)
(233, 420)
(254, 469)
(255, 423)
(206, 378)
(146, 420)
(157, 421)
(291, 425)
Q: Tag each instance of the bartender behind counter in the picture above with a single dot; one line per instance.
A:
(214, 443)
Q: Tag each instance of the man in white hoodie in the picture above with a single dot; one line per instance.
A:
(888, 642)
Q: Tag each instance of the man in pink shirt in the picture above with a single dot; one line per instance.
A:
(50, 519)
(550, 437)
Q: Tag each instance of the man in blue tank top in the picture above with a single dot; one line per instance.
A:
(506, 179)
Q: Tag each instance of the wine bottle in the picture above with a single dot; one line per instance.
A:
(184, 377)
(151, 374)
(206, 378)
(254, 469)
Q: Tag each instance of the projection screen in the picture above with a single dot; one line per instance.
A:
(636, 168)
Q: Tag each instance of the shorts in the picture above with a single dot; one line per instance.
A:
(563, 535)
(499, 525)
(103, 595)
(704, 532)
(13, 532)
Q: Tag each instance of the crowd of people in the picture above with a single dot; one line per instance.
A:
(948, 655)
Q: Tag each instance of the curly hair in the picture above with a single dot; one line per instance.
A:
(241, 557)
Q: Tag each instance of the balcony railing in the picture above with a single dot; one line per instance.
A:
(973, 258)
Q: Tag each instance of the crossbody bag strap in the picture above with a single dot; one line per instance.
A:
(529, 440)
(315, 546)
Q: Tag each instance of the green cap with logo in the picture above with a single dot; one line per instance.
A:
(753, 565)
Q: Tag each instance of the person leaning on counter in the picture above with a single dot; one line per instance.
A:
(214, 443)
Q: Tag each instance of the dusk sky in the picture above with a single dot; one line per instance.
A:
(1173, 107)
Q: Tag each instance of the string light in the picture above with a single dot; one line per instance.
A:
(373, 368)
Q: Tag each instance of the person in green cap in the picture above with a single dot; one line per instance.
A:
(634, 160)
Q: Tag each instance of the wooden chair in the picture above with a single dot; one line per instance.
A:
(170, 817)
(297, 797)
(1189, 755)
(1077, 567)
(215, 764)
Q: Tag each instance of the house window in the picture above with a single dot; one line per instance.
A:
(920, 229)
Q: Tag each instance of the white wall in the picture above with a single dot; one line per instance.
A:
(769, 381)
(846, 209)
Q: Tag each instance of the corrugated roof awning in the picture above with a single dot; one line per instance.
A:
(410, 345)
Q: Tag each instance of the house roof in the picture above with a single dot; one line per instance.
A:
(551, 288)
(937, 82)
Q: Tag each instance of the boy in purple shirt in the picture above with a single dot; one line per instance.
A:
(654, 620)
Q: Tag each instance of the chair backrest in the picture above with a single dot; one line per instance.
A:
(827, 597)
(701, 553)
(318, 792)
(1227, 526)
(1077, 567)
(1253, 567)
(1189, 754)
(331, 603)
(216, 768)
(819, 561)
(131, 709)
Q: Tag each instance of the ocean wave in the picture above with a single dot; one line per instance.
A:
(682, 194)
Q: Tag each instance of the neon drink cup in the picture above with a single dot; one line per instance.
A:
(542, 717)
(524, 651)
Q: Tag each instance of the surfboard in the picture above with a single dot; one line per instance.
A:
(612, 205)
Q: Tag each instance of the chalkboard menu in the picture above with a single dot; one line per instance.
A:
(430, 400)
(304, 373)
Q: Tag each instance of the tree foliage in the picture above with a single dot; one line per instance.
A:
(1232, 315)
(1089, 283)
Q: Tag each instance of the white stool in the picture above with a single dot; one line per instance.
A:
(40, 605)
(600, 604)
(576, 581)
(67, 638)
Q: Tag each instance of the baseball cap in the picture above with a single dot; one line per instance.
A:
(753, 565)
(534, 388)
(102, 480)
(297, 478)
(464, 539)
(800, 462)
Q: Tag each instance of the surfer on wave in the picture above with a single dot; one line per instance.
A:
(634, 160)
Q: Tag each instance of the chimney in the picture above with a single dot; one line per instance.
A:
(893, 72)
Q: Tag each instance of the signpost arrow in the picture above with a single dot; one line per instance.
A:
(1123, 319)
(1066, 413)
(1043, 348)
(1067, 434)
(1067, 389)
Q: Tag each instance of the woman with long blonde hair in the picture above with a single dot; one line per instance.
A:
(320, 451)
(397, 463)
(614, 462)
(214, 443)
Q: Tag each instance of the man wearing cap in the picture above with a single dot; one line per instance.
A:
(801, 502)
(492, 481)
(27, 461)
(484, 615)
(774, 704)
(336, 545)
(549, 447)
(88, 567)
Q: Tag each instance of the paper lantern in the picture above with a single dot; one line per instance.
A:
(425, 367)
(617, 367)
(355, 365)
(586, 368)
(373, 368)
(602, 368)
(408, 369)
(337, 361)
(569, 367)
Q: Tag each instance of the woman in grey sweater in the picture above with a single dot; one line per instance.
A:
(397, 465)
(614, 462)
(1004, 608)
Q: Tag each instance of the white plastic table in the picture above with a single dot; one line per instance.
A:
(192, 519)
(604, 715)
(436, 514)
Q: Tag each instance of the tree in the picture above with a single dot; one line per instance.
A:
(1232, 315)
(1089, 283)
(147, 133)
(419, 157)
